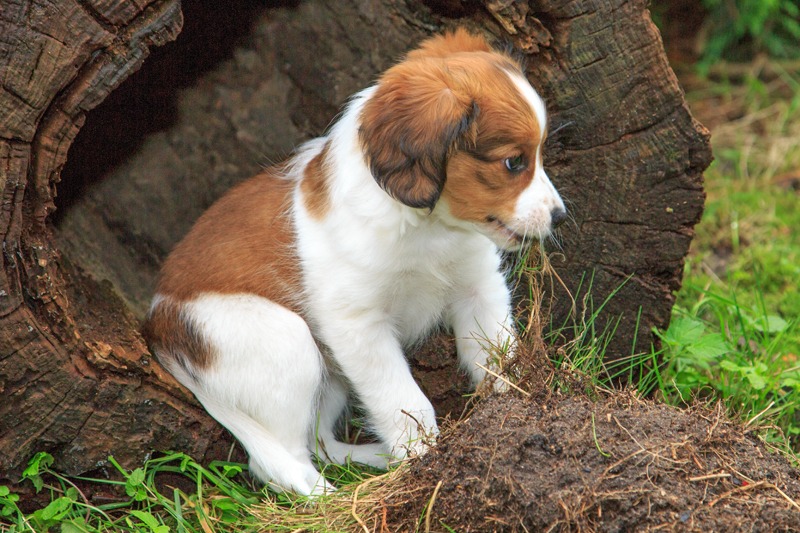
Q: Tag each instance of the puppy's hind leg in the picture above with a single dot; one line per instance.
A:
(262, 383)
(270, 460)
(332, 405)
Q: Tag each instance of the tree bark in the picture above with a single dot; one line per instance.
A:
(75, 377)
(629, 157)
(243, 84)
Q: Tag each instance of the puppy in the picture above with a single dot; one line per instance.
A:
(302, 285)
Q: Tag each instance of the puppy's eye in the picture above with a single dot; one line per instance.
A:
(516, 164)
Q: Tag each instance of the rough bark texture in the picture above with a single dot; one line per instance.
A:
(629, 158)
(243, 85)
(75, 377)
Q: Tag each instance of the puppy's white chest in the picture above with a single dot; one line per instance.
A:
(415, 300)
(407, 281)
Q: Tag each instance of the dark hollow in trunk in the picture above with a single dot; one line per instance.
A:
(241, 86)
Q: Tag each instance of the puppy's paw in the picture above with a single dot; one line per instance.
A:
(322, 487)
(499, 385)
(492, 381)
(418, 435)
(412, 447)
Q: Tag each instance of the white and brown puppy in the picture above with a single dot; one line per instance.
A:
(307, 281)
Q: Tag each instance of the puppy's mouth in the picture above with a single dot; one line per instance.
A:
(497, 225)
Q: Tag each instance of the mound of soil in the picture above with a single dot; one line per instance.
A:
(618, 464)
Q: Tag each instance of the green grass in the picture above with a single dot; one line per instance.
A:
(735, 332)
(222, 500)
(719, 349)
(748, 241)
(743, 28)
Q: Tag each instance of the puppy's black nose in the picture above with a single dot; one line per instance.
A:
(557, 217)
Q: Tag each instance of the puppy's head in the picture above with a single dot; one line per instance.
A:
(458, 122)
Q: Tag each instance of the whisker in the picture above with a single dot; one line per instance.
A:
(572, 221)
(525, 240)
(555, 238)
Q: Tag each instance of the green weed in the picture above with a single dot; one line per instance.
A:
(220, 502)
(741, 29)
(734, 333)
(720, 349)
(589, 334)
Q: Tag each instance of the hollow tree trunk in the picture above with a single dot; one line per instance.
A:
(75, 377)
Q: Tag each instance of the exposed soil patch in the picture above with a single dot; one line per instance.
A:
(618, 464)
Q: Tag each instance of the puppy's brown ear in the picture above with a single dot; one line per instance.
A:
(410, 125)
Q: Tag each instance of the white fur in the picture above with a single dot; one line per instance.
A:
(377, 277)
(398, 272)
(536, 204)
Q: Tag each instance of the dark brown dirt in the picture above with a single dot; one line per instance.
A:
(570, 457)
(612, 465)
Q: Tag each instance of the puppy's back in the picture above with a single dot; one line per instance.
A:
(242, 244)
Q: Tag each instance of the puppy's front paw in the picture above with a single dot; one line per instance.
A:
(418, 436)
(413, 446)
(499, 385)
(491, 380)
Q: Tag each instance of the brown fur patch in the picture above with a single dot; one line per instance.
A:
(314, 187)
(450, 43)
(409, 127)
(478, 184)
(453, 94)
(477, 190)
(169, 334)
(244, 244)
